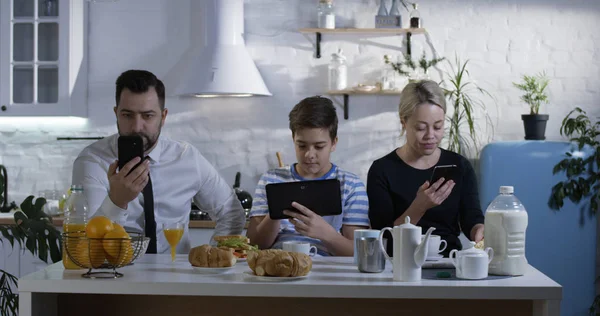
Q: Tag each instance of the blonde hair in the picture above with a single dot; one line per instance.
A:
(417, 93)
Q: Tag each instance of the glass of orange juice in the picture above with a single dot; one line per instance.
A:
(173, 232)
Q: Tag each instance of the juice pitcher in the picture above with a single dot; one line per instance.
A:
(409, 250)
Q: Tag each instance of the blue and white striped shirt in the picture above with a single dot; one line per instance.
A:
(355, 204)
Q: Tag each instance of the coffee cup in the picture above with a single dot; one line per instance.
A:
(298, 246)
(360, 233)
(435, 242)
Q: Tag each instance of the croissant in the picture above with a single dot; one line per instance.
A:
(279, 263)
(207, 256)
(479, 245)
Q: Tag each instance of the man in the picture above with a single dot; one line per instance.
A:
(173, 175)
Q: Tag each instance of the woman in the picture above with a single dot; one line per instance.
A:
(398, 183)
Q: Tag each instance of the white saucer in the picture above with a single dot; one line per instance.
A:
(434, 258)
(207, 270)
(273, 279)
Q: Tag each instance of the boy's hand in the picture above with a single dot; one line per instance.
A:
(309, 224)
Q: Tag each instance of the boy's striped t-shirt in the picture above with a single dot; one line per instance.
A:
(355, 204)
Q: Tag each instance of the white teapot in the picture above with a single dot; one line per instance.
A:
(410, 250)
(472, 263)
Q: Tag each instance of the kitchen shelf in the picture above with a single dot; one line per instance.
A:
(387, 31)
(348, 93)
(364, 31)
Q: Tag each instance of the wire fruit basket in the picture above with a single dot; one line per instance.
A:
(103, 253)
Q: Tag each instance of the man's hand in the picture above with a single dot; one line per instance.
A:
(125, 186)
(309, 224)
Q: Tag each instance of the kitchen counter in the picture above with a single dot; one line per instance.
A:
(8, 219)
(155, 286)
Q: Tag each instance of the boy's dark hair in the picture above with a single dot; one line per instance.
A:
(314, 112)
(139, 81)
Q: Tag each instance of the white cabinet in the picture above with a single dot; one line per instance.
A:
(9, 257)
(43, 58)
(17, 260)
(29, 264)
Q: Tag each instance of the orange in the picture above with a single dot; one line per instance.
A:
(98, 226)
(117, 226)
(125, 257)
(116, 244)
(90, 253)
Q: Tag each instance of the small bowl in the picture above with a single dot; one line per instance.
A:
(365, 88)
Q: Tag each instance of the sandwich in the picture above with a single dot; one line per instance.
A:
(240, 244)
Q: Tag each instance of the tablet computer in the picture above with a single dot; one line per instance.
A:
(323, 197)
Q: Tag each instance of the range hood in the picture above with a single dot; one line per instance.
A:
(221, 65)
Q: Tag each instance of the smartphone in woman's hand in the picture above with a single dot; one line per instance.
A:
(448, 172)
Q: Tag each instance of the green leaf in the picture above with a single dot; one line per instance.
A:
(583, 175)
(55, 247)
(8, 299)
(21, 218)
(43, 248)
(7, 236)
(30, 244)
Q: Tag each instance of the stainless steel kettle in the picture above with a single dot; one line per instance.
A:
(244, 197)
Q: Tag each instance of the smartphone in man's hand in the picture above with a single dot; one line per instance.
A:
(130, 147)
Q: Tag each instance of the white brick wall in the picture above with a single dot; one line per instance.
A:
(504, 39)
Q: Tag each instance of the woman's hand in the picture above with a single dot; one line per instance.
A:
(477, 233)
(308, 223)
(433, 195)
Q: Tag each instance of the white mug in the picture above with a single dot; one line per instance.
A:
(298, 246)
(435, 242)
(359, 233)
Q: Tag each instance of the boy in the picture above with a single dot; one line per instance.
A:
(313, 123)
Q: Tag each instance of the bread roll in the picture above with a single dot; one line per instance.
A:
(279, 263)
(206, 256)
(480, 245)
(302, 264)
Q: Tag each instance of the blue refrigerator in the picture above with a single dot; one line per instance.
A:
(561, 244)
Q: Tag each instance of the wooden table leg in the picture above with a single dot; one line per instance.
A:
(38, 304)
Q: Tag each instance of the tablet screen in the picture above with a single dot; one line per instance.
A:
(320, 196)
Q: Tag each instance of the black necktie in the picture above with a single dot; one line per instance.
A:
(150, 223)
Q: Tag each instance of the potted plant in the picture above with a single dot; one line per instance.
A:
(411, 66)
(583, 173)
(534, 89)
(465, 98)
(33, 230)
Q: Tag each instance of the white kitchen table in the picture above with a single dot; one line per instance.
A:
(155, 286)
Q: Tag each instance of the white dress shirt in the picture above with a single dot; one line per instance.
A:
(180, 175)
